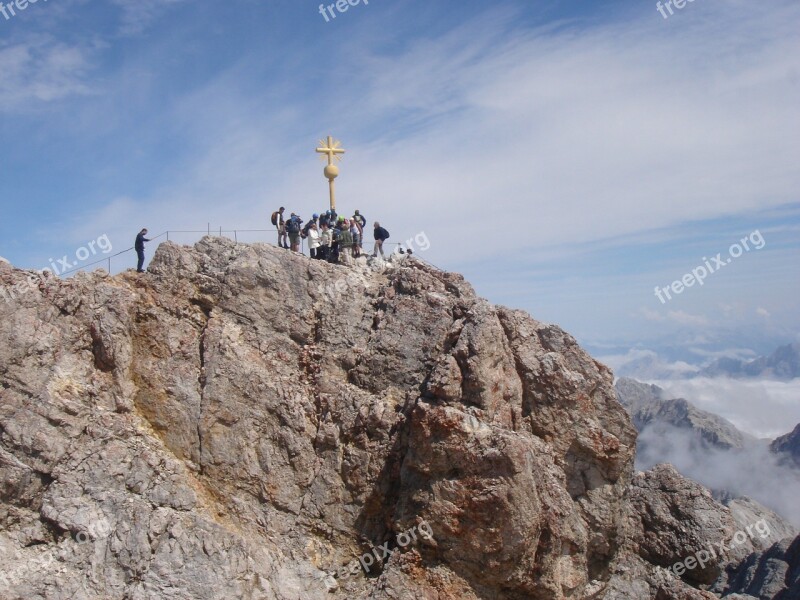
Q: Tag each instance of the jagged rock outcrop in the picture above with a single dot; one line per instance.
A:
(773, 574)
(243, 422)
(787, 447)
(712, 451)
(675, 518)
(746, 511)
(649, 408)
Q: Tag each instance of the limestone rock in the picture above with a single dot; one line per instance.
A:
(773, 574)
(243, 422)
(788, 447)
(649, 408)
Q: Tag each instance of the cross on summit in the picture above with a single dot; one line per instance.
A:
(331, 172)
(331, 148)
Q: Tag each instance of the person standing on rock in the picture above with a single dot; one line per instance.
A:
(324, 243)
(293, 227)
(355, 231)
(381, 235)
(313, 239)
(278, 221)
(333, 255)
(346, 243)
(361, 223)
(139, 247)
(359, 218)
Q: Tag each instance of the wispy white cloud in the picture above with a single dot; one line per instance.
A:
(684, 318)
(762, 408)
(42, 70)
(138, 14)
(594, 134)
(675, 316)
(546, 141)
(755, 472)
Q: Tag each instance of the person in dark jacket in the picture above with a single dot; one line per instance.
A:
(381, 235)
(139, 246)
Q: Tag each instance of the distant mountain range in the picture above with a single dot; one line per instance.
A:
(649, 408)
(711, 450)
(783, 364)
(788, 447)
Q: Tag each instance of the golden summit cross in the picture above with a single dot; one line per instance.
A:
(331, 149)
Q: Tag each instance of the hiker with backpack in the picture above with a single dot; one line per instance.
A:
(313, 221)
(293, 227)
(381, 235)
(277, 221)
(359, 218)
(325, 219)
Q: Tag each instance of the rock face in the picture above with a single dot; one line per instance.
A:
(675, 518)
(712, 451)
(770, 575)
(649, 408)
(243, 422)
(788, 447)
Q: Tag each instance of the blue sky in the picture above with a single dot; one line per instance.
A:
(567, 157)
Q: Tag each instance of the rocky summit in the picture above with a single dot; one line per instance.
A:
(244, 422)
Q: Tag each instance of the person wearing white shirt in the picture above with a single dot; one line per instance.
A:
(313, 239)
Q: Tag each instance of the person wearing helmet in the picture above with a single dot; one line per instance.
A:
(314, 221)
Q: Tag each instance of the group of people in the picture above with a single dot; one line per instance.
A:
(330, 236)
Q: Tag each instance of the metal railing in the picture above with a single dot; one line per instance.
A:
(220, 232)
